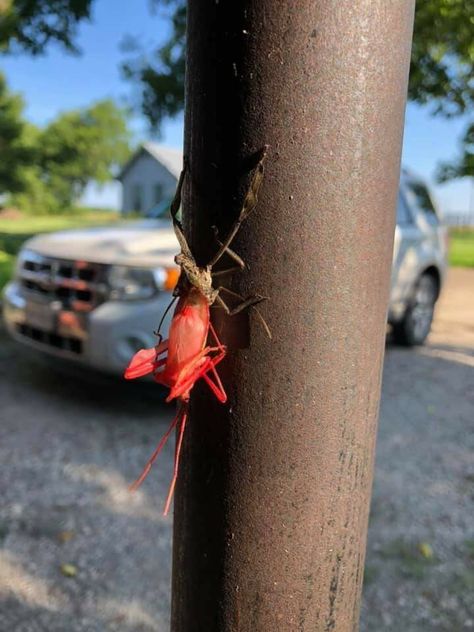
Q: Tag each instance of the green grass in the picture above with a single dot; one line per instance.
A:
(6, 267)
(14, 232)
(461, 248)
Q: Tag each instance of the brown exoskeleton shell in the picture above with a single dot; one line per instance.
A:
(201, 277)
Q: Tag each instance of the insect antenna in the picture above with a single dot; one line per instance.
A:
(170, 305)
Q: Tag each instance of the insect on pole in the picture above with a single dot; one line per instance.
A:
(274, 485)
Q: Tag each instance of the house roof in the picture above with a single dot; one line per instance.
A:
(171, 159)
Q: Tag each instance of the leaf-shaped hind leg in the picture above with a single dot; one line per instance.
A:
(250, 202)
(174, 209)
(176, 202)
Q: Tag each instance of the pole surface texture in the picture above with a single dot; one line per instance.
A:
(274, 488)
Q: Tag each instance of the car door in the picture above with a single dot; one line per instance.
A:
(433, 249)
(407, 241)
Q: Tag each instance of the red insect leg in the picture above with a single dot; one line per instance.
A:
(196, 369)
(157, 451)
(191, 373)
(179, 444)
(218, 342)
(216, 388)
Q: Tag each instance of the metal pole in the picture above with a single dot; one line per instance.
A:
(273, 496)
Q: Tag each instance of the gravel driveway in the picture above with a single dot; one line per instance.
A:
(77, 553)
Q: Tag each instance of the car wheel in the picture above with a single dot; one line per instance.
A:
(415, 325)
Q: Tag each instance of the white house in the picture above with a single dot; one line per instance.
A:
(149, 177)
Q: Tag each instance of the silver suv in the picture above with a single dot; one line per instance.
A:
(96, 295)
(419, 262)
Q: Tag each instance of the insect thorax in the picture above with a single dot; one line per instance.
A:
(200, 278)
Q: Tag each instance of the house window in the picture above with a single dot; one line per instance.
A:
(157, 193)
(137, 198)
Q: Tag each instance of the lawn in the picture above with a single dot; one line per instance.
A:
(461, 248)
(14, 232)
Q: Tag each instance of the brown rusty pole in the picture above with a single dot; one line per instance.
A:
(273, 497)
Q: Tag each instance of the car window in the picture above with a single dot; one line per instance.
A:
(421, 198)
(404, 216)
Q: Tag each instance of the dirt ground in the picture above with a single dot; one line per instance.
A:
(77, 553)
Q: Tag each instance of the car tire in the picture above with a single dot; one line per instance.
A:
(415, 325)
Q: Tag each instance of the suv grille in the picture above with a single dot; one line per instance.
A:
(79, 285)
(65, 343)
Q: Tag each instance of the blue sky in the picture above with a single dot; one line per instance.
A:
(59, 81)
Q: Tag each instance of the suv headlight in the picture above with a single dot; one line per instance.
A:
(22, 256)
(129, 283)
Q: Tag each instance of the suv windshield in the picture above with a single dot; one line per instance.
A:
(403, 212)
(422, 199)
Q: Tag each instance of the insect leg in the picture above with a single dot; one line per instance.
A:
(210, 366)
(217, 389)
(174, 208)
(217, 386)
(220, 273)
(187, 374)
(250, 202)
(251, 302)
(184, 417)
(155, 454)
(213, 332)
(194, 372)
(176, 202)
(232, 254)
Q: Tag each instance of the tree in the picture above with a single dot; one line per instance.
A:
(160, 75)
(442, 61)
(464, 165)
(442, 64)
(81, 146)
(30, 25)
(441, 71)
(14, 147)
(74, 149)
